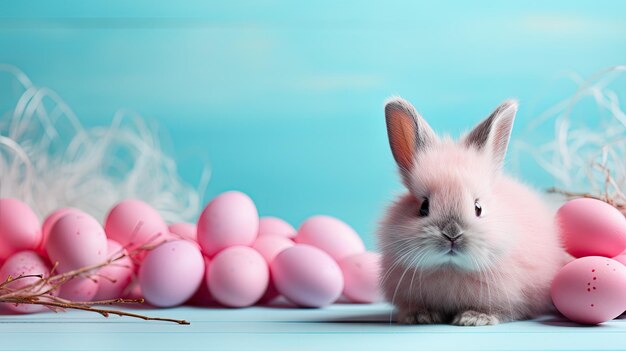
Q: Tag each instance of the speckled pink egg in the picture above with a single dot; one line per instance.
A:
(24, 263)
(591, 227)
(76, 240)
(19, 228)
(184, 230)
(228, 220)
(133, 223)
(276, 226)
(590, 290)
(238, 276)
(79, 289)
(335, 237)
(49, 222)
(115, 277)
(621, 258)
(307, 276)
(360, 274)
(171, 273)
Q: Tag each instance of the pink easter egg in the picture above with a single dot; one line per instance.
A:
(116, 276)
(276, 226)
(49, 222)
(184, 230)
(335, 237)
(361, 273)
(238, 276)
(621, 258)
(133, 223)
(19, 228)
(269, 246)
(24, 263)
(307, 276)
(171, 273)
(79, 289)
(228, 220)
(590, 290)
(76, 240)
(591, 227)
(202, 296)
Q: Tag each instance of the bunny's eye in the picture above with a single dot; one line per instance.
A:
(477, 208)
(424, 209)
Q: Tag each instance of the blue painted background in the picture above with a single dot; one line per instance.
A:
(284, 98)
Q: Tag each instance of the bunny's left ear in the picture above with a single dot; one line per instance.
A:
(492, 135)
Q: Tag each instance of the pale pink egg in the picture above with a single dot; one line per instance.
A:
(24, 263)
(307, 276)
(335, 237)
(591, 227)
(79, 289)
(621, 258)
(360, 274)
(269, 246)
(19, 228)
(114, 277)
(238, 276)
(49, 222)
(202, 296)
(228, 220)
(590, 290)
(171, 273)
(76, 240)
(276, 226)
(133, 223)
(184, 230)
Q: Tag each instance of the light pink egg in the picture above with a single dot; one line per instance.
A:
(360, 274)
(79, 289)
(49, 222)
(621, 258)
(133, 223)
(76, 240)
(590, 290)
(19, 228)
(269, 246)
(115, 277)
(335, 237)
(171, 273)
(238, 276)
(24, 263)
(184, 230)
(228, 220)
(276, 226)
(591, 227)
(307, 276)
(202, 296)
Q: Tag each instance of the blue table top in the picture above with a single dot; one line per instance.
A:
(349, 327)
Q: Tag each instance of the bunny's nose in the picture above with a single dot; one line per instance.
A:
(452, 231)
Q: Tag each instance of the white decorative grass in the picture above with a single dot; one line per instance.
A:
(49, 160)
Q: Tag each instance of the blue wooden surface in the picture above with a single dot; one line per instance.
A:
(338, 327)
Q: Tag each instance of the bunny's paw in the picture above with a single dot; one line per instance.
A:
(420, 317)
(474, 318)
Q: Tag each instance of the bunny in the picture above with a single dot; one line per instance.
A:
(466, 244)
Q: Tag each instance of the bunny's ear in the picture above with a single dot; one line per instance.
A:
(494, 132)
(408, 132)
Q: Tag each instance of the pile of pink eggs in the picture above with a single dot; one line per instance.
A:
(231, 256)
(591, 289)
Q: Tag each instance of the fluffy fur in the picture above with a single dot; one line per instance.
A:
(500, 266)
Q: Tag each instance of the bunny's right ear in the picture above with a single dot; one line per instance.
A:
(408, 132)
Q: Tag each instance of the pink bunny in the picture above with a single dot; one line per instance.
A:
(466, 244)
